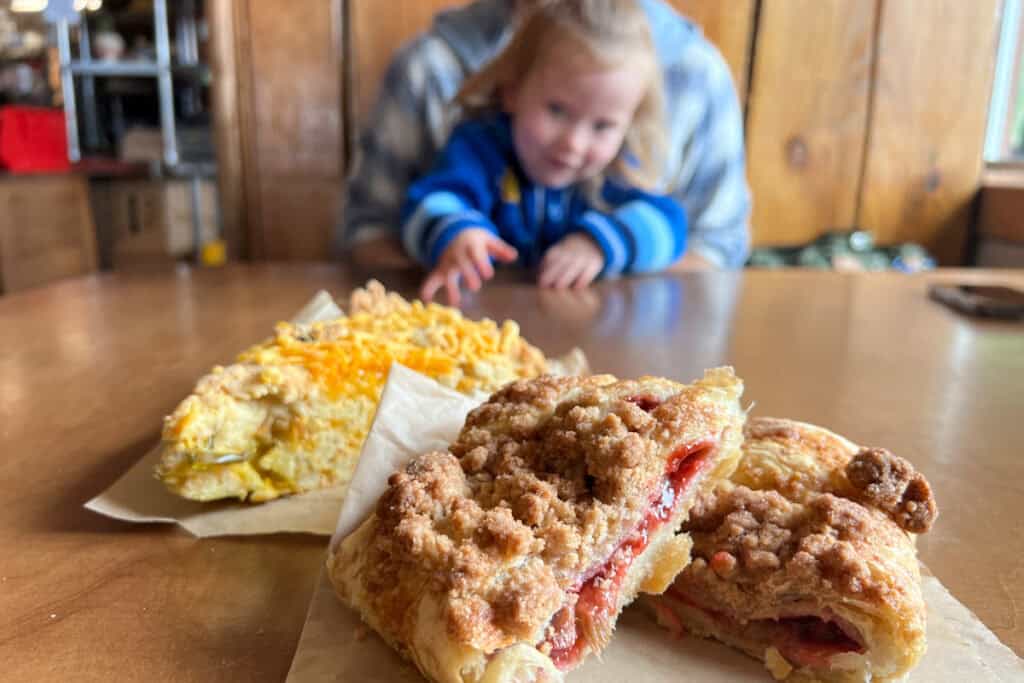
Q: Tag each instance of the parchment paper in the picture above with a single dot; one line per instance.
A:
(334, 646)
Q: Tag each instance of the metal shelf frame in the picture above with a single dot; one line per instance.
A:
(88, 69)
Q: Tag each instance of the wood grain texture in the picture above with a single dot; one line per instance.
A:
(729, 24)
(924, 157)
(227, 123)
(77, 408)
(289, 199)
(1001, 214)
(376, 31)
(807, 116)
(292, 120)
(248, 173)
(46, 230)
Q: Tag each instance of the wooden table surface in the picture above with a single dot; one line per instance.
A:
(89, 367)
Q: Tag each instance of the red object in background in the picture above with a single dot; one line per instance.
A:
(33, 140)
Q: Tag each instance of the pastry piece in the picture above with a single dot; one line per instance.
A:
(509, 557)
(805, 558)
(292, 413)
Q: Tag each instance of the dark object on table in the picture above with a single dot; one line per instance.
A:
(981, 300)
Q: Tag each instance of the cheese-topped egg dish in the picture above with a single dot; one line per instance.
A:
(290, 415)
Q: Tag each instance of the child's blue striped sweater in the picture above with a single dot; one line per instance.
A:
(477, 182)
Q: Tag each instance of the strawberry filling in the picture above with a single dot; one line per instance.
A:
(645, 402)
(598, 593)
(812, 641)
(805, 640)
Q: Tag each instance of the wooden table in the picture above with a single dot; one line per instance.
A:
(89, 367)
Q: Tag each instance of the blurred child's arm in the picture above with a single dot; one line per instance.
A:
(445, 220)
(454, 196)
(641, 233)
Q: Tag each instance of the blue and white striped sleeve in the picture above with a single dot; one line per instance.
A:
(453, 196)
(642, 233)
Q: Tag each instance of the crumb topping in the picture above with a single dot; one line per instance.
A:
(891, 484)
(807, 513)
(770, 427)
(750, 546)
(799, 461)
(543, 483)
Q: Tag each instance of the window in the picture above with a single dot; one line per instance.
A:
(1004, 142)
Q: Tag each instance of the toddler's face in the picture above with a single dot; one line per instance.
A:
(568, 122)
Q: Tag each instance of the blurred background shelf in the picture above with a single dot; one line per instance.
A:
(153, 169)
(110, 61)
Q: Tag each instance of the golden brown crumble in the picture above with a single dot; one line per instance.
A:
(799, 461)
(543, 483)
(891, 484)
(770, 427)
(806, 513)
(750, 547)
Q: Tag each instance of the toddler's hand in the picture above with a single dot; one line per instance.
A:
(573, 262)
(468, 257)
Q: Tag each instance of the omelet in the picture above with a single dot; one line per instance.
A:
(290, 415)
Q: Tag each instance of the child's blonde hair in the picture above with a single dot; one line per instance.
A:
(608, 32)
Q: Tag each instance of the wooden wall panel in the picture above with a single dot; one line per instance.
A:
(224, 90)
(807, 116)
(1001, 210)
(729, 25)
(924, 159)
(290, 199)
(291, 97)
(46, 230)
(376, 30)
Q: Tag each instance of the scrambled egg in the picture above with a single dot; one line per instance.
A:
(292, 413)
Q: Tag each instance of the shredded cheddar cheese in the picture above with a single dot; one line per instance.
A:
(351, 356)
